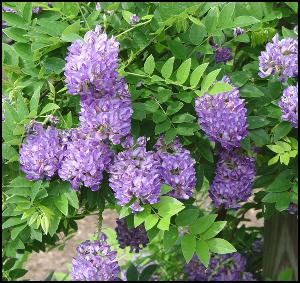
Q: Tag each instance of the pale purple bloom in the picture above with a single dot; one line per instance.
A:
(95, 261)
(134, 19)
(37, 10)
(177, 168)
(238, 31)
(289, 105)
(228, 267)
(39, 154)
(83, 160)
(280, 58)
(98, 6)
(9, 10)
(53, 119)
(136, 173)
(223, 117)
(135, 238)
(222, 54)
(233, 179)
(109, 115)
(92, 64)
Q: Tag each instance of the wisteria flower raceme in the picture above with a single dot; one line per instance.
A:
(229, 267)
(109, 115)
(222, 54)
(233, 179)
(238, 31)
(135, 238)
(83, 160)
(135, 173)
(92, 64)
(177, 168)
(289, 105)
(39, 154)
(257, 245)
(223, 117)
(95, 261)
(280, 58)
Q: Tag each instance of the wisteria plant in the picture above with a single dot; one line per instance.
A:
(182, 117)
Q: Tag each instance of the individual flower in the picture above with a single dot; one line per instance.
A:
(238, 31)
(98, 6)
(83, 160)
(135, 238)
(280, 58)
(109, 115)
(39, 154)
(257, 245)
(135, 173)
(233, 179)
(222, 54)
(53, 119)
(229, 267)
(177, 168)
(289, 105)
(92, 64)
(293, 208)
(37, 10)
(223, 117)
(134, 19)
(95, 261)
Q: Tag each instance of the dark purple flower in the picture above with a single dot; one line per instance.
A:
(257, 245)
(289, 105)
(229, 267)
(280, 58)
(177, 168)
(84, 159)
(136, 173)
(134, 19)
(39, 154)
(135, 238)
(222, 54)
(233, 180)
(223, 117)
(109, 115)
(293, 208)
(92, 64)
(238, 31)
(95, 261)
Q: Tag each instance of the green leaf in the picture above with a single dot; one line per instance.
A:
(202, 251)
(183, 118)
(243, 21)
(202, 224)
(73, 199)
(45, 224)
(159, 116)
(249, 90)
(188, 246)
(17, 273)
(140, 217)
(27, 12)
(170, 238)
(132, 273)
(17, 230)
(211, 20)
(164, 223)
(54, 65)
(8, 151)
(147, 272)
(13, 221)
(255, 122)
(23, 50)
(167, 68)
(220, 246)
(124, 212)
(275, 197)
(220, 87)
(197, 74)
(209, 79)
(61, 202)
(177, 49)
(127, 16)
(282, 130)
(213, 230)
(13, 19)
(168, 206)
(287, 273)
(174, 107)
(170, 135)
(260, 137)
(70, 37)
(197, 33)
(273, 160)
(283, 202)
(149, 65)
(163, 95)
(183, 71)
(163, 127)
(281, 182)
(16, 34)
(276, 148)
(49, 107)
(34, 101)
(187, 217)
(72, 29)
(226, 15)
(165, 189)
(151, 221)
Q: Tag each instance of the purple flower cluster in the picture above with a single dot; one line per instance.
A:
(222, 54)
(135, 173)
(280, 58)
(37, 10)
(223, 117)
(238, 31)
(92, 64)
(39, 154)
(293, 208)
(135, 238)
(289, 105)
(109, 115)
(233, 180)
(134, 19)
(83, 160)
(177, 168)
(257, 245)
(229, 267)
(95, 262)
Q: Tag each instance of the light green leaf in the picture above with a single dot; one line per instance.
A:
(163, 127)
(213, 230)
(34, 101)
(220, 87)
(167, 68)
(140, 217)
(61, 202)
(197, 74)
(165, 189)
(220, 246)
(124, 212)
(168, 206)
(203, 223)
(49, 107)
(164, 223)
(170, 238)
(209, 79)
(174, 107)
(211, 20)
(170, 135)
(226, 14)
(187, 217)
(282, 130)
(149, 65)
(273, 160)
(150, 221)
(188, 246)
(183, 71)
(202, 251)
(45, 224)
